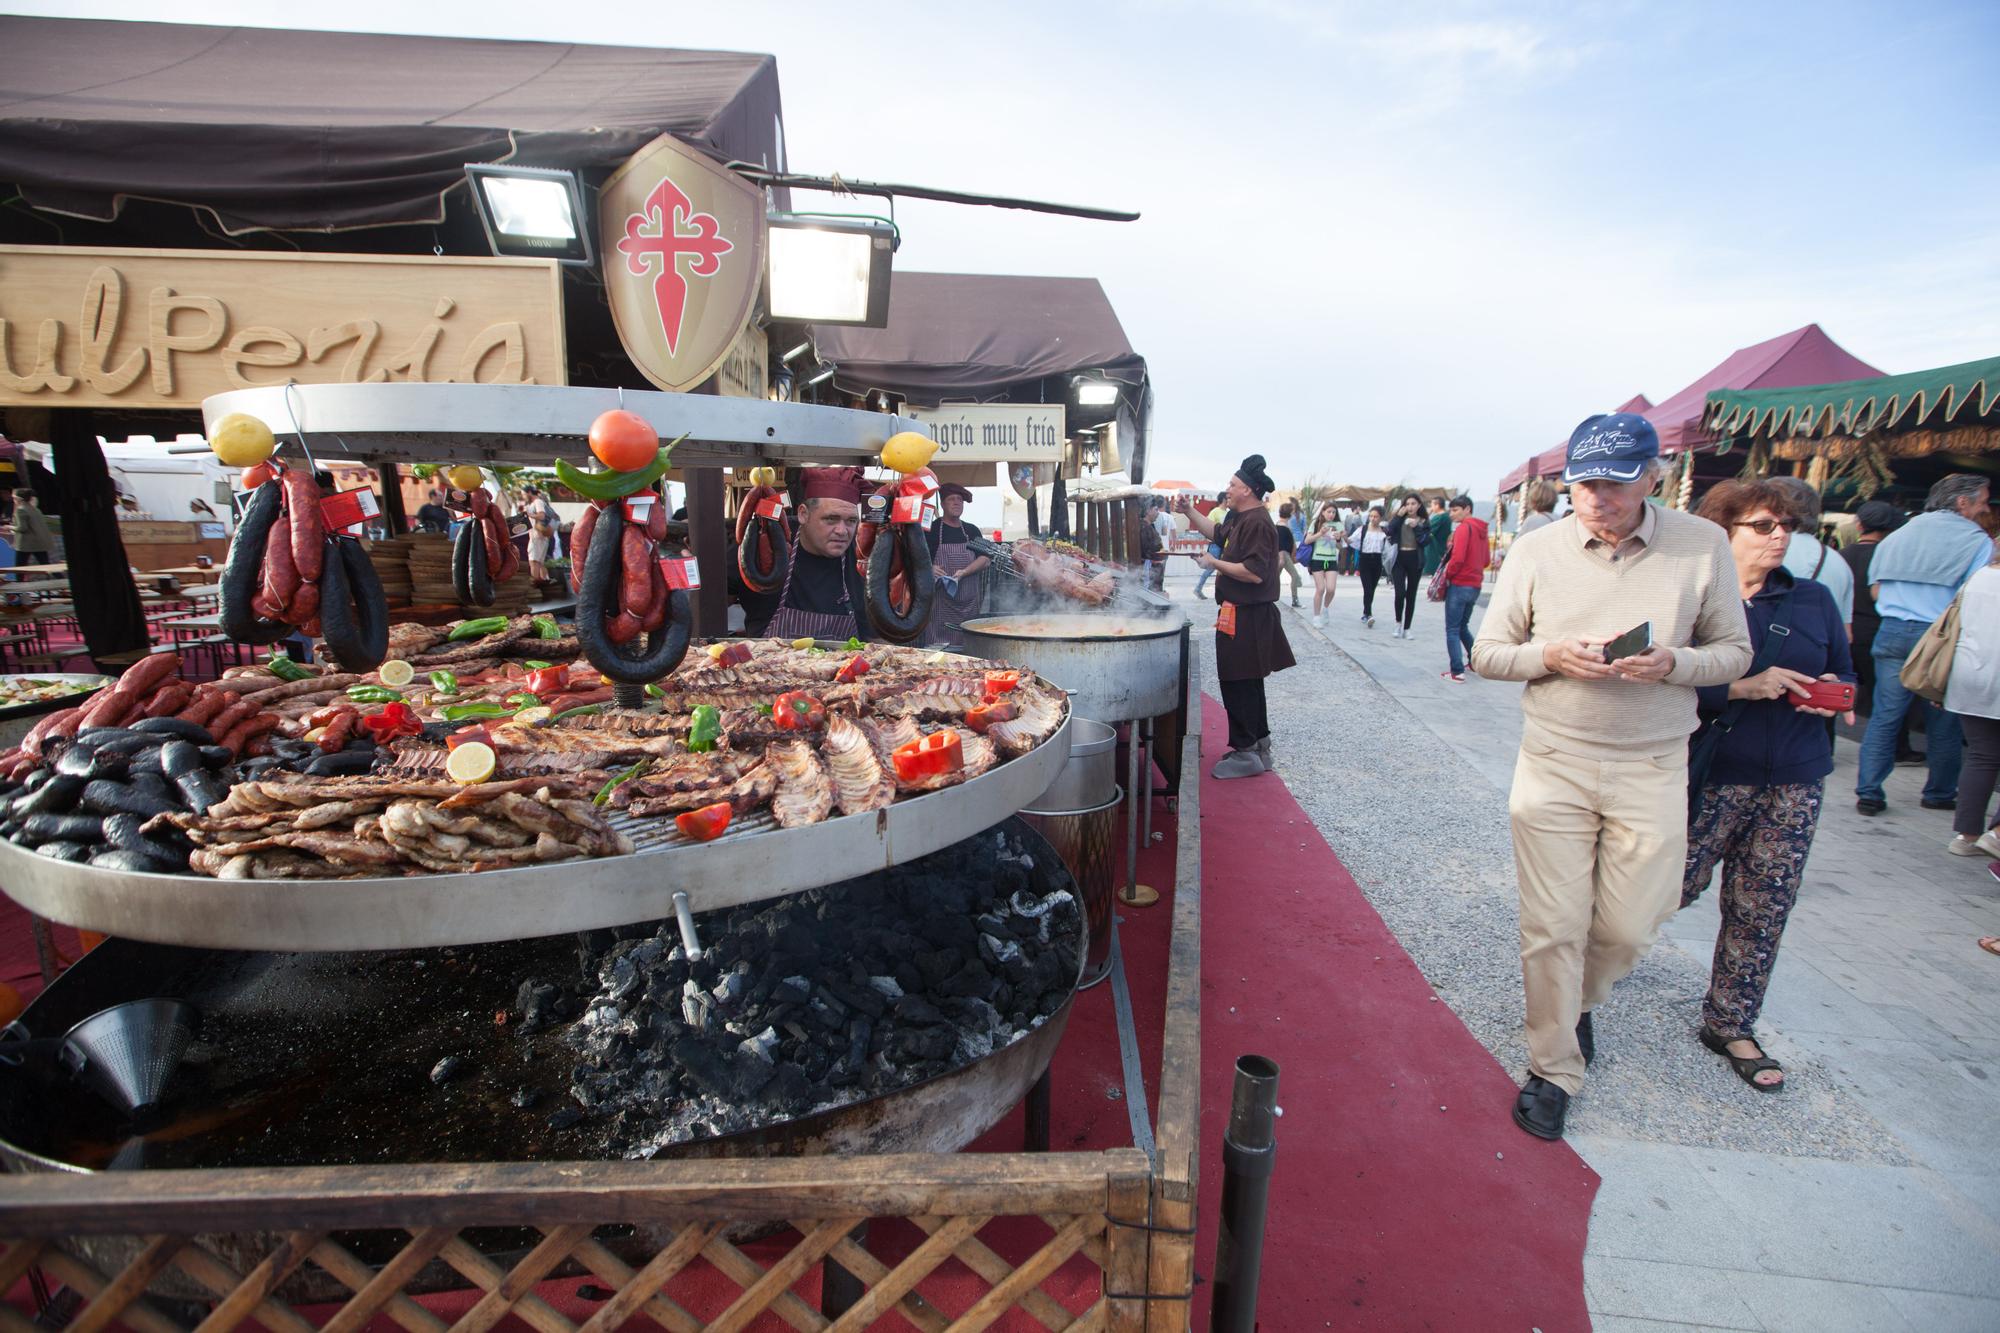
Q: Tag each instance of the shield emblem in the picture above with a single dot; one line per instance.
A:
(682, 241)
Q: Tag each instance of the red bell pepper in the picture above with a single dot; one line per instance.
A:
(466, 735)
(1000, 682)
(549, 681)
(795, 710)
(736, 654)
(992, 710)
(395, 719)
(854, 668)
(705, 824)
(928, 756)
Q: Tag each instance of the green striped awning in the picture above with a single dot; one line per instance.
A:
(1949, 395)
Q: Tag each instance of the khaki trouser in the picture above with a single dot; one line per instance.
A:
(1599, 847)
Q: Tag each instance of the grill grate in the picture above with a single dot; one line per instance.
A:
(655, 834)
(1126, 595)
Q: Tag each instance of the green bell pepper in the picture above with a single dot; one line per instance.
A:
(444, 682)
(475, 711)
(373, 694)
(546, 628)
(604, 793)
(706, 728)
(284, 668)
(478, 629)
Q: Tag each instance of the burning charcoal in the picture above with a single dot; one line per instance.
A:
(728, 993)
(999, 952)
(915, 1009)
(447, 1069)
(923, 1043)
(938, 966)
(791, 1090)
(763, 1046)
(864, 998)
(815, 1061)
(621, 978)
(792, 990)
(535, 1001)
(827, 1011)
(971, 979)
(907, 975)
(859, 1032)
(565, 1117)
(694, 1006)
(889, 987)
(525, 1097)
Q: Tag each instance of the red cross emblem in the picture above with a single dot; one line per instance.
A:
(656, 232)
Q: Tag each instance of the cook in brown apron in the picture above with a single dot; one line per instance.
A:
(1250, 639)
(951, 555)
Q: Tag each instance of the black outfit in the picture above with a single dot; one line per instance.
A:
(1371, 574)
(1866, 620)
(822, 594)
(433, 518)
(1258, 647)
(942, 533)
(1405, 564)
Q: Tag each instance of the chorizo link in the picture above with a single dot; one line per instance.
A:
(579, 544)
(240, 735)
(230, 716)
(169, 700)
(307, 526)
(143, 675)
(656, 603)
(280, 583)
(31, 744)
(204, 707)
(339, 730)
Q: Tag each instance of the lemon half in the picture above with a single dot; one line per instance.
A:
(473, 761)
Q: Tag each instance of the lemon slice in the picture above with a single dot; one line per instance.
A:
(473, 761)
(803, 644)
(397, 673)
(717, 649)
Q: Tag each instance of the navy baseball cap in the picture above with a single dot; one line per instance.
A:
(1612, 446)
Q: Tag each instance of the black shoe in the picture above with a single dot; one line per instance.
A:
(1947, 803)
(1870, 807)
(1541, 1108)
(1904, 758)
(1586, 1038)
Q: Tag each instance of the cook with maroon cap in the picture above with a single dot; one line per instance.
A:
(824, 597)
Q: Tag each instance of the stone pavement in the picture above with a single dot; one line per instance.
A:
(1865, 1196)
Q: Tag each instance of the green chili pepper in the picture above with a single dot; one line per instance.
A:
(284, 668)
(444, 682)
(615, 485)
(655, 692)
(373, 694)
(546, 628)
(766, 709)
(706, 728)
(853, 644)
(584, 710)
(478, 629)
(523, 699)
(535, 664)
(475, 711)
(604, 793)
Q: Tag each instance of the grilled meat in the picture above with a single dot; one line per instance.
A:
(861, 780)
(805, 791)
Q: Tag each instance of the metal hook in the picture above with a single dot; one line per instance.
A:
(298, 430)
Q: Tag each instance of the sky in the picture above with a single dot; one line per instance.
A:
(1404, 242)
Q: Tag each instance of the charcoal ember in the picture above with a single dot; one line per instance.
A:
(792, 990)
(860, 1033)
(694, 1005)
(937, 966)
(525, 1098)
(923, 1043)
(763, 1046)
(565, 1117)
(908, 976)
(971, 979)
(732, 1076)
(728, 994)
(888, 987)
(447, 1069)
(999, 952)
(915, 1009)
(815, 1061)
(791, 1091)
(535, 1002)
(825, 1010)
(864, 997)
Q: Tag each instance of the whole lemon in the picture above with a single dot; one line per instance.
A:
(763, 476)
(907, 451)
(466, 477)
(241, 440)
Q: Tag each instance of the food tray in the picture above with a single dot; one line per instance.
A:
(754, 860)
(11, 711)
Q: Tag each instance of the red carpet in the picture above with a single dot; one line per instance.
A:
(1404, 1196)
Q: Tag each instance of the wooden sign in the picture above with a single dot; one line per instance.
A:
(683, 255)
(86, 327)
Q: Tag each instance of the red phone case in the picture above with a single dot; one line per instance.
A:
(1836, 696)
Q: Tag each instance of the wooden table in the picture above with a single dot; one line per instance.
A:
(195, 572)
(34, 569)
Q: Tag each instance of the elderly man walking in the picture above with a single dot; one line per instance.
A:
(1599, 800)
(1916, 572)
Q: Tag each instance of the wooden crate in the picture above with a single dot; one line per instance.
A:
(1131, 1217)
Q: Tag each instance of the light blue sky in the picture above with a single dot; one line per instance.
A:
(1399, 241)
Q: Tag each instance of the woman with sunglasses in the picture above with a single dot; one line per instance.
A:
(1758, 803)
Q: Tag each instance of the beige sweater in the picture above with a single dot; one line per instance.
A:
(1675, 571)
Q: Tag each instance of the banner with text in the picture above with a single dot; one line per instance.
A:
(995, 432)
(91, 327)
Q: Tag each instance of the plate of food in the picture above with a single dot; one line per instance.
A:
(32, 695)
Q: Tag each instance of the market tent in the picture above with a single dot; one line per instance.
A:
(1803, 356)
(971, 335)
(324, 131)
(1962, 395)
(1550, 461)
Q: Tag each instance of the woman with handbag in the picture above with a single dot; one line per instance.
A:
(1973, 692)
(1409, 533)
(1758, 766)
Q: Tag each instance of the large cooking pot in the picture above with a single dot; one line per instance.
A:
(1116, 668)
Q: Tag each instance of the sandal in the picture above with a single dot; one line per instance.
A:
(1990, 943)
(1747, 1067)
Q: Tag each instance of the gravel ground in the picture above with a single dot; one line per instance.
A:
(1430, 845)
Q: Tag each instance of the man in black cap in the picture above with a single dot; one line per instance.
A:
(1249, 630)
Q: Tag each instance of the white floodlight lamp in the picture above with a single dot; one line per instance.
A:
(1094, 392)
(531, 212)
(830, 270)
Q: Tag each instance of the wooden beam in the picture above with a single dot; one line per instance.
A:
(708, 529)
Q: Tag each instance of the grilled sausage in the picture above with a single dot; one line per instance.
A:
(461, 563)
(904, 542)
(144, 675)
(168, 700)
(280, 583)
(354, 608)
(597, 604)
(307, 525)
(579, 546)
(243, 571)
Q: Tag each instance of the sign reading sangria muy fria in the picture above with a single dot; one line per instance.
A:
(682, 247)
(85, 327)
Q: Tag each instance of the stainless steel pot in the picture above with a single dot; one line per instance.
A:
(1116, 668)
(1089, 779)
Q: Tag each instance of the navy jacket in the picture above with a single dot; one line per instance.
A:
(1772, 742)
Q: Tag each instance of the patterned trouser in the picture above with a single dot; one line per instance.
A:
(1761, 836)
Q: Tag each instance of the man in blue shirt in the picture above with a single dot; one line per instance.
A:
(1916, 572)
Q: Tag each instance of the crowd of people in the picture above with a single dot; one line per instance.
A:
(1684, 676)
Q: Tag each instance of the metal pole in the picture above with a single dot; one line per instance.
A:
(1249, 1148)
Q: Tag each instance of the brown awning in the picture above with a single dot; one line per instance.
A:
(968, 335)
(291, 130)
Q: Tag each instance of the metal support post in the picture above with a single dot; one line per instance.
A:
(1134, 894)
(1035, 1135)
(840, 1290)
(1249, 1148)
